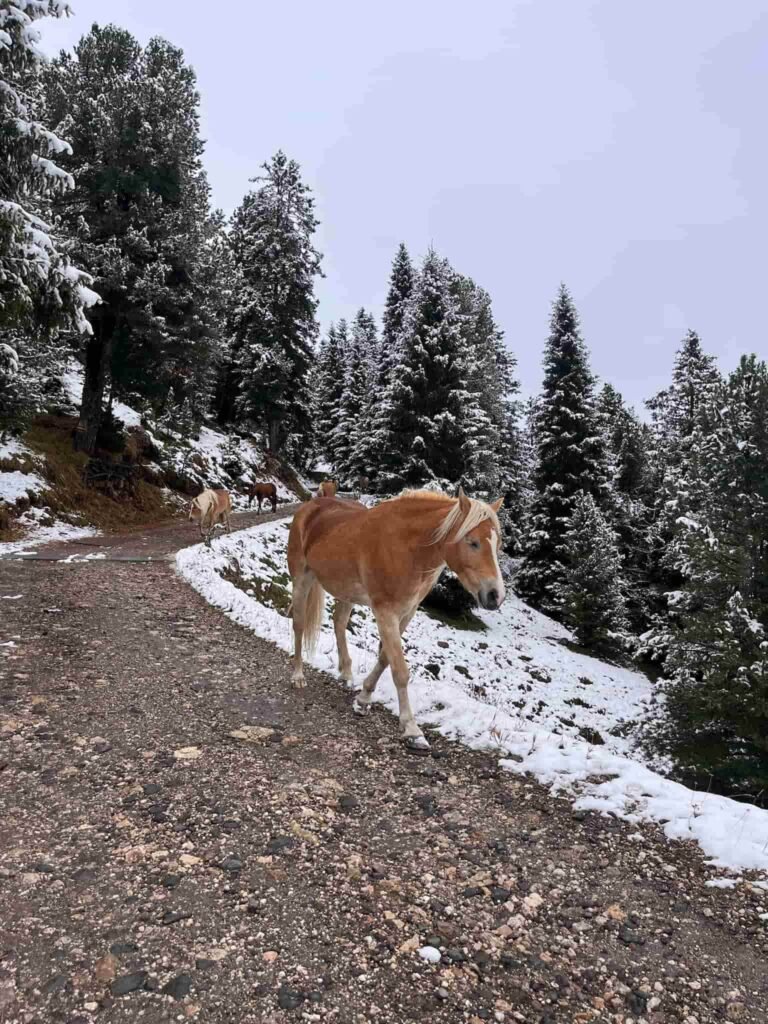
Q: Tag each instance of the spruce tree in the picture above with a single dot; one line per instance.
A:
(717, 631)
(590, 591)
(362, 393)
(631, 504)
(327, 386)
(274, 320)
(40, 289)
(353, 404)
(383, 443)
(681, 416)
(570, 456)
(337, 440)
(428, 396)
(138, 213)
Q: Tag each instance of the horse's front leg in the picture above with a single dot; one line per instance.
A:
(341, 612)
(389, 631)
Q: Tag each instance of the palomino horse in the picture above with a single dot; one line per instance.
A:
(263, 492)
(327, 489)
(389, 558)
(211, 507)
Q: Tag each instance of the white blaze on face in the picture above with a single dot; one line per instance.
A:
(493, 540)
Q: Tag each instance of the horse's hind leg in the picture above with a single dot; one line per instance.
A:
(389, 631)
(363, 699)
(301, 588)
(341, 612)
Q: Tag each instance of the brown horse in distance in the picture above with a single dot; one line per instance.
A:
(388, 558)
(263, 492)
(327, 489)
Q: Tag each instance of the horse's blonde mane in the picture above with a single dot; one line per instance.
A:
(479, 512)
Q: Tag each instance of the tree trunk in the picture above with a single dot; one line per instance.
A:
(275, 436)
(97, 359)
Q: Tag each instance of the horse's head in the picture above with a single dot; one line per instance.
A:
(474, 557)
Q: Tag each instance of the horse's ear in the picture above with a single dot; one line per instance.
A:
(464, 502)
(496, 505)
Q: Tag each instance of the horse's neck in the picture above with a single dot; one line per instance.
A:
(429, 522)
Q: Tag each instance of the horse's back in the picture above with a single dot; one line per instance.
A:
(317, 519)
(223, 501)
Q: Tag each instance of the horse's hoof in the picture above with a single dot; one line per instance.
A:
(299, 683)
(361, 709)
(417, 745)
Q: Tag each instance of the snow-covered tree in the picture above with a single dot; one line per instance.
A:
(570, 455)
(631, 506)
(428, 397)
(382, 442)
(327, 387)
(138, 213)
(717, 630)
(492, 457)
(274, 323)
(348, 437)
(590, 592)
(40, 289)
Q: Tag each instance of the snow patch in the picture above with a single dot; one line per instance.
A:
(15, 485)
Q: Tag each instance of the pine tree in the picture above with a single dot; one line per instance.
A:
(631, 501)
(327, 387)
(570, 455)
(138, 213)
(361, 394)
(681, 416)
(383, 442)
(40, 289)
(429, 398)
(492, 446)
(590, 591)
(274, 323)
(717, 633)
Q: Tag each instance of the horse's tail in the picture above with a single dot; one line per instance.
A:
(313, 616)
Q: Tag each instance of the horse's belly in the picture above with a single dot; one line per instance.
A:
(353, 593)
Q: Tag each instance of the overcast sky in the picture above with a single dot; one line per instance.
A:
(618, 147)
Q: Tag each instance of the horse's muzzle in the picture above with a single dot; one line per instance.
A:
(491, 598)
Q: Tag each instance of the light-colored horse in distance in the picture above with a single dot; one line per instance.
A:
(327, 489)
(211, 507)
(388, 558)
(263, 492)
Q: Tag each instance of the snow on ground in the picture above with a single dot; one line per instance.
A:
(38, 533)
(15, 485)
(515, 687)
(39, 525)
(11, 448)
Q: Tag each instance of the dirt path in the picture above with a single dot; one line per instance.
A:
(159, 861)
(158, 544)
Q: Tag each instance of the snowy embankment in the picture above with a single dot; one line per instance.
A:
(207, 459)
(38, 523)
(513, 686)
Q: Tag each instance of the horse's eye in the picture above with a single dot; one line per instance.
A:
(474, 544)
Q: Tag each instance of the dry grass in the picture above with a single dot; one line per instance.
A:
(51, 437)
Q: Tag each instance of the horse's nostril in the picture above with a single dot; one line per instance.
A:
(492, 598)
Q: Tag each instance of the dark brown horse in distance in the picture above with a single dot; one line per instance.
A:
(263, 492)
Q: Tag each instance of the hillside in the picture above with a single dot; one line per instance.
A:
(43, 496)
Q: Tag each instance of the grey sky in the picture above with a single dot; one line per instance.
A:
(618, 147)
